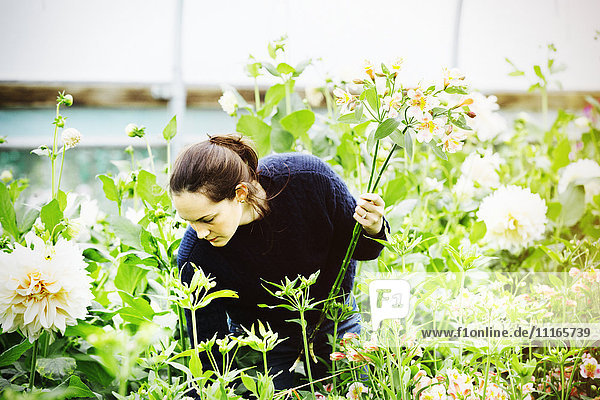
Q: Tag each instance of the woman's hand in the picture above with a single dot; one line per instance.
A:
(369, 213)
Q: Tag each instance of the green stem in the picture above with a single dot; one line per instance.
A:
(264, 353)
(288, 105)
(53, 155)
(307, 353)
(168, 158)
(353, 242)
(150, 155)
(33, 365)
(256, 94)
(329, 103)
(62, 162)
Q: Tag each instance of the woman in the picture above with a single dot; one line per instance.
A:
(253, 222)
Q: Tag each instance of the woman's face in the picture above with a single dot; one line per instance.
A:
(215, 222)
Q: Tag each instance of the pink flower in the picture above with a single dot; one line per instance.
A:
(574, 272)
(328, 388)
(336, 356)
(589, 368)
(348, 337)
(354, 355)
(370, 346)
(319, 396)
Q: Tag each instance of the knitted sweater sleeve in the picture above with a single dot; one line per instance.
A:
(345, 204)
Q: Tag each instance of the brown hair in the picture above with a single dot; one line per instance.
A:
(215, 167)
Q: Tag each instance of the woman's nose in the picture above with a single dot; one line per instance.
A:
(201, 231)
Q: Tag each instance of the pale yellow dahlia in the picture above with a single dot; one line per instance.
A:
(514, 217)
(46, 287)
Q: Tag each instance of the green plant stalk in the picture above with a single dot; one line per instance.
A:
(306, 352)
(150, 155)
(328, 102)
(62, 162)
(33, 365)
(334, 347)
(256, 94)
(169, 158)
(353, 242)
(53, 155)
(544, 93)
(288, 104)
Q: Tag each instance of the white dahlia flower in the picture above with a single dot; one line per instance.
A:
(229, 102)
(70, 137)
(488, 123)
(44, 288)
(585, 172)
(514, 217)
(481, 168)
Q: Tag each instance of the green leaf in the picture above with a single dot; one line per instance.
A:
(395, 190)
(349, 118)
(56, 368)
(560, 154)
(301, 66)
(408, 145)
(257, 130)
(28, 219)
(195, 365)
(371, 97)
(516, 73)
(298, 123)
(281, 140)
(538, 72)
(273, 96)
(129, 274)
(51, 215)
(8, 219)
(573, 204)
(78, 389)
(226, 293)
(478, 230)
(139, 310)
(386, 128)
(171, 129)
(110, 189)
(271, 68)
(149, 191)
(438, 151)
(249, 383)
(284, 68)
(460, 122)
(126, 231)
(554, 210)
(14, 353)
(456, 90)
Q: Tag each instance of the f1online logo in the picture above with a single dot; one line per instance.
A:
(389, 298)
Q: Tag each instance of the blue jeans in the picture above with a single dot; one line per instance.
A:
(283, 356)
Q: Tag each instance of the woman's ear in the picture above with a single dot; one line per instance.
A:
(241, 192)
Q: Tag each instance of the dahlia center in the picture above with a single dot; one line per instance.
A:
(34, 286)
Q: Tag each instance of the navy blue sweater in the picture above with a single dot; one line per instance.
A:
(308, 228)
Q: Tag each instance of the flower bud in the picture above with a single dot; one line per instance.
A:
(379, 74)
(471, 114)
(358, 81)
(6, 176)
(129, 150)
(132, 130)
(68, 100)
(60, 121)
(336, 356)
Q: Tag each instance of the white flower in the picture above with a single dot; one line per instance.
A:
(481, 168)
(581, 125)
(44, 288)
(514, 217)
(464, 189)
(229, 102)
(6, 176)
(488, 123)
(70, 137)
(453, 77)
(345, 100)
(134, 215)
(432, 185)
(355, 390)
(452, 139)
(314, 96)
(586, 172)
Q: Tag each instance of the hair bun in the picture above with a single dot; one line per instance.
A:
(240, 145)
